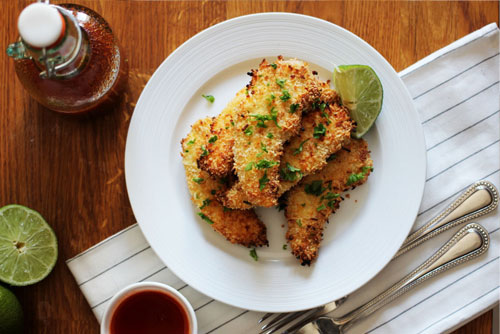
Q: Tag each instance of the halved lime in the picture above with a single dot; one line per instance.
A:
(28, 246)
(361, 92)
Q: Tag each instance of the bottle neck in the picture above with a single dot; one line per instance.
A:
(66, 57)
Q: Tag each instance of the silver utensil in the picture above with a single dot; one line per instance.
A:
(477, 200)
(470, 242)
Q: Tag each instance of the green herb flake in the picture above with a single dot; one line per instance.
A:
(299, 222)
(263, 181)
(205, 152)
(319, 131)
(263, 147)
(314, 188)
(248, 131)
(226, 209)
(213, 139)
(290, 173)
(249, 166)
(253, 254)
(273, 65)
(286, 95)
(270, 135)
(260, 154)
(187, 151)
(281, 83)
(299, 149)
(232, 123)
(209, 98)
(293, 108)
(262, 164)
(356, 177)
(205, 218)
(206, 203)
(274, 116)
(322, 106)
(284, 246)
(213, 191)
(191, 142)
(321, 207)
(198, 180)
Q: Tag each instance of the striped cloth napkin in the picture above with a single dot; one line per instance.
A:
(456, 92)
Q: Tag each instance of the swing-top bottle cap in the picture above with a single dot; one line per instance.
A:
(40, 25)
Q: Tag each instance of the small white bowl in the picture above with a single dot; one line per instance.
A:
(136, 287)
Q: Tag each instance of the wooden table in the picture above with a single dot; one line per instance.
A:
(71, 170)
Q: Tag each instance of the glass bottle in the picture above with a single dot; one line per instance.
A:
(67, 57)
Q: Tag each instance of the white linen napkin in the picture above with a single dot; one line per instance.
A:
(456, 92)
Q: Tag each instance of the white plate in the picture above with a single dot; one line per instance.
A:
(361, 237)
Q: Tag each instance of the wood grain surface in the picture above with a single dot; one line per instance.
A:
(71, 169)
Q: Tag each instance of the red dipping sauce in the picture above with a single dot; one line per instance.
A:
(149, 312)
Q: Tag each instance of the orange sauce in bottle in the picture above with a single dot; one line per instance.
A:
(100, 75)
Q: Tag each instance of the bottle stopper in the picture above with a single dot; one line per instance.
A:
(40, 25)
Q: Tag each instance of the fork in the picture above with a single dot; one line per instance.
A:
(477, 200)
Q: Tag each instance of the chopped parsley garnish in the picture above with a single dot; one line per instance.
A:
(321, 207)
(232, 123)
(281, 82)
(198, 180)
(206, 202)
(213, 191)
(213, 139)
(322, 106)
(263, 181)
(259, 154)
(284, 246)
(187, 151)
(261, 119)
(209, 98)
(262, 164)
(353, 178)
(273, 65)
(274, 116)
(205, 218)
(248, 131)
(299, 222)
(270, 135)
(191, 142)
(249, 166)
(314, 188)
(330, 195)
(294, 107)
(205, 152)
(299, 149)
(290, 173)
(271, 98)
(319, 131)
(253, 254)
(286, 95)
(263, 147)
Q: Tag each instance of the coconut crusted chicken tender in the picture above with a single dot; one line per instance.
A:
(219, 160)
(317, 196)
(268, 117)
(325, 129)
(238, 226)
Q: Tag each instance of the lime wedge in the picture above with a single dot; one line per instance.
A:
(28, 246)
(361, 92)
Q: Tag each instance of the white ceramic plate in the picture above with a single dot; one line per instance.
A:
(361, 237)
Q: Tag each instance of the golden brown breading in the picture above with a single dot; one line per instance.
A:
(268, 117)
(219, 160)
(324, 131)
(317, 196)
(238, 226)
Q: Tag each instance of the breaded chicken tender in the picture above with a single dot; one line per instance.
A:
(238, 226)
(219, 160)
(317, 196)
(270, 114)
(324, 131)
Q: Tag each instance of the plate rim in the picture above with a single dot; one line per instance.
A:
(242, 19)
